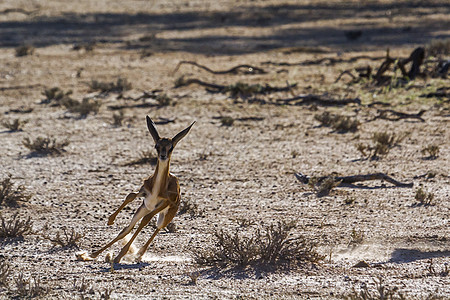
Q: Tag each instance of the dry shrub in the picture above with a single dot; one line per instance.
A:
(30, 288)
(272, 248)
(356, 237)
(438, 47)
(339, 123)
(118, 119)
(226, 121)
(189, 207)
(431, 150)
(83, 108)
(382, 143)
(24, 50)
(163, 100)
(14, 227)
(146, 157)
(424, 198)
(57, 97)
(5, 272)
(11, 196)
(66, 239)
(15, 125)
(45, 146)
(324, 186)
(382, 292)
(121, 85)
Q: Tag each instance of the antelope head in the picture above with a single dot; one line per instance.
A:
(165, 146)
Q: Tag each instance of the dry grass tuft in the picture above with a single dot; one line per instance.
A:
(14, 227)
(83, 108)
(24, 50)
(30, 288)
(438, 47)
(57, 97)
(339, 123)
(189, 207)
(424, 198)
(121, 85)
(5, 272)
(45, 146)
(432, 151)
(270, 248)
(11, 196)
(118, 119)
(66, 239)
(146, 157)
(226, 121)
(15, 125)
(382, 143)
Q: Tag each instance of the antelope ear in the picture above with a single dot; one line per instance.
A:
(181, 134)
(151, 127)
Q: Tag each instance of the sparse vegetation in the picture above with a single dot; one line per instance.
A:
(356, 237)
(323, 187)
(383, 142)
(118, 119)
(121, 85)
(163, 100)
(146, 157)
(45, 146)
(193, 276)
(15, 227)
(381, 292)
(83, 108)
(272, 247)
(226, 121)
(432, 151)
(189, 207)
(424, 198)
(15, 125)
(24, 50)
(30, 288)
(438, 47)
(339, 123)
(57, 97)
(5, 272)
(66, 239)
(11, 196)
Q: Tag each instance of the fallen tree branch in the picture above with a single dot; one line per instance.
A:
(238, 89)
(386, 114)
(318, 100)
(342, 181)
(250, 70)
(329, 61)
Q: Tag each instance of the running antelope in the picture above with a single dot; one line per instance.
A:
(161, 192)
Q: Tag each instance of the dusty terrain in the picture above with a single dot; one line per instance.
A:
(233, 173)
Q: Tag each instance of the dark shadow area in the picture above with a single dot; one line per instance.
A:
(409, 255)
(113, 28)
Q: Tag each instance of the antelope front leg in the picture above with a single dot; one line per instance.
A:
(140, 213)
(143, 223)
(128, 199)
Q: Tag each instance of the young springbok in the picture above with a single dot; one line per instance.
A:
(161, 192)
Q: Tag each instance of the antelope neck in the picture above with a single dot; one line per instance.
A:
(161, 175)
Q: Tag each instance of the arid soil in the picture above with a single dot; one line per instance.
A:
(244, 171)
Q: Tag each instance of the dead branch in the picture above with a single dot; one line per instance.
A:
(237, 89)
(346, 180)
(392, 115)
(318, 100)
(328, 61)
(250, 70)
(17, 10)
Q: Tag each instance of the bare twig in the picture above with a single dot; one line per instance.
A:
(392, 115)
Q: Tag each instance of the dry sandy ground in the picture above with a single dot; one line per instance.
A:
(243, 171)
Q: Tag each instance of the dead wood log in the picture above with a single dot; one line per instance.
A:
(346, 180)
(249, 69)
(318, 100)
(392, 115)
